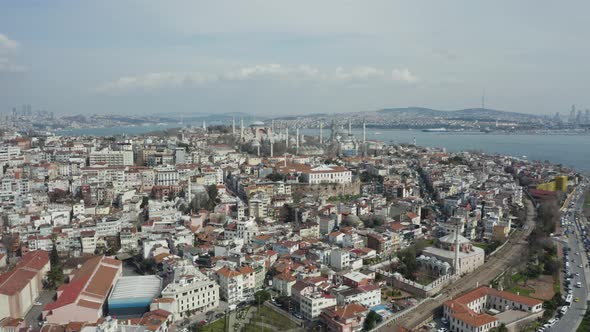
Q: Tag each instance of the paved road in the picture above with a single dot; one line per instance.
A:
(505, 257)
(571, 320)
(33, 317)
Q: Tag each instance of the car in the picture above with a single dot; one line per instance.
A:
(219, 315)
(37, 303)
(442, 329)
(444, 321)
(581, 266)
(577, 299)
(577, 274)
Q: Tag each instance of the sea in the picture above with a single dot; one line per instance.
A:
(571, 150)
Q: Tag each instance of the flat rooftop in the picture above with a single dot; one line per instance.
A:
(136, 287)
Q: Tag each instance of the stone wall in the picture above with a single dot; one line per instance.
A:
(326, 190)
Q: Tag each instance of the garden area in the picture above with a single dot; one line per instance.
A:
(269, 320)
(216, 326)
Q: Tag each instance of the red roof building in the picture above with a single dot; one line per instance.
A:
(83, 298)
(21, 286)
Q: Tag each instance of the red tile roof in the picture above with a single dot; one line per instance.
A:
(461, 311)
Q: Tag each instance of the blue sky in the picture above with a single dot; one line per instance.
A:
(293, 57)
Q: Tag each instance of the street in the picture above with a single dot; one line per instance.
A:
(34, 315)
(577, 255)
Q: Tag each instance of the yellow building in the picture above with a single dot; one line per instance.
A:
(547, 186)
(561, 183)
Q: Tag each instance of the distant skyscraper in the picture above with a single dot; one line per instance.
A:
(572, 117)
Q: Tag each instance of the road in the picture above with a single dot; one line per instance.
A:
(572, 318)
(33, 317)
(505, 257)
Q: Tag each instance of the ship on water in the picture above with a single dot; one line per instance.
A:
(435, 130)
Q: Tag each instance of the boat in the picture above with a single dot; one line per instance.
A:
(434, 130)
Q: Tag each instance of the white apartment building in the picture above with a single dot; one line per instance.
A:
(166, 176)
(327, 174)
(112, 158)
(367, 295)
(311, 305)
(340, 259)
(236, 285)
(8, 153)
(191, 290)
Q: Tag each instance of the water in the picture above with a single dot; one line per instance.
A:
(569, 150)
(118, 130)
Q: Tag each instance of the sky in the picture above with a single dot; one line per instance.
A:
(279, 57)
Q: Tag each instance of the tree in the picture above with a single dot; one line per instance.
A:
(409, 264)
(261, 296)
(371, 320)
(275, 177)
(55, 276)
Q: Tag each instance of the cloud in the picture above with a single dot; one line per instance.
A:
(404, 75)
(7, 45)
(271, 71)
(8, 50)
(359, 73)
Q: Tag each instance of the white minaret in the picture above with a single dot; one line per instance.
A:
(297, 140)
(321, 132)
(287, 137)
(233, 125)
(271, 149)
(364, 132)
(258, 150)
(272, 126)
(241, 127)
(456, 266)
(204, 125)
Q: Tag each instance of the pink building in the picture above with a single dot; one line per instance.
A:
(83, 298)
(20, 287)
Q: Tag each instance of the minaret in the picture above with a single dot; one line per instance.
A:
(297, 140)
(321, 132)
(241, 127)
(258, 150)
(272, 127)
(364, 133)
(414, 141)
(271, 149)
(349, 127)
(204, 125)
(456, 260)
(233, 125)
(287, 137)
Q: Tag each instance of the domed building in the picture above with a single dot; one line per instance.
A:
(469, 257)
(260, 131)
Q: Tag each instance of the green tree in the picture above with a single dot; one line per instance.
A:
(261, 296)
(371, 320)
(55, 276)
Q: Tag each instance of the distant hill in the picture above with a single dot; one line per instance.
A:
(469, 113)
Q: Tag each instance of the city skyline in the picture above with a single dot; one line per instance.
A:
(262, 58)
